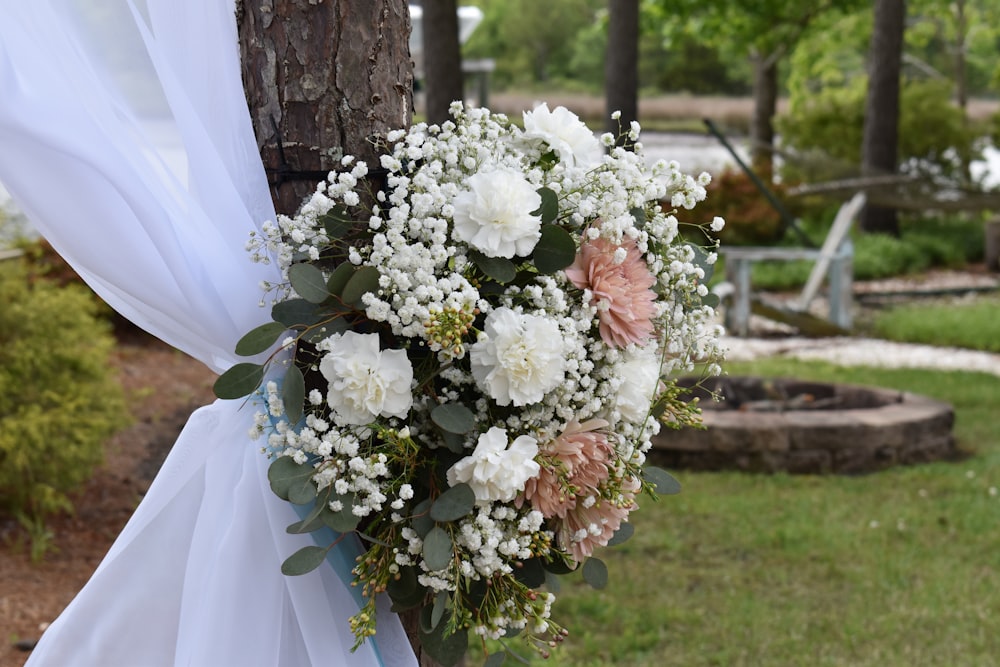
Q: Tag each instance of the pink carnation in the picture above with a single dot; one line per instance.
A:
(583, 529)
(573, 464)
(621, 291)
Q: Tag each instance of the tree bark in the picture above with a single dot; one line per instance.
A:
(765, 106)
(621, 64)
(879, 150)
(442, 58)
(321, 78)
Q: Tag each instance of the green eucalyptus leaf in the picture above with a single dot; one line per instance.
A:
(302, 491)
(447, 649)
(284, 472)
(309, 282)
(295, 313)
(453, 504)
(337, 222)
(310, 523)
(555, 250)
(293, 393)
(558, 566)
(239, 381)
(344, 521)
(639, 214)
(404, 589)
(438, 549)
(595, 573)
(552, 582)
(495, 659)
(453, 442)
(304, 560)
(624, 532)
(701, 261)
(549, 210)
(499, 269)
(260, 339)
(421, 519)
(364, 280)
(531, 573)
(711, 300)
(664, 482)
(439, 608)
(338, 279)
(329, 328)
(454, 418)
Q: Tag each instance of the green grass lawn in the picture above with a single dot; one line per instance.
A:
(900, 567)
(972, 323)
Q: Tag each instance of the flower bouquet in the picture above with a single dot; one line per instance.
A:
(469, 359)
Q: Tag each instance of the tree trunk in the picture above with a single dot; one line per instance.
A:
(765, 106)
(321, 78)
(621, 64)
(442, 58)
(880, 139)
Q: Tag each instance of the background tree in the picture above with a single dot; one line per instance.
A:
(621, 78)
(765, 32)
(321, 79)
(880, 141)
(442, 82)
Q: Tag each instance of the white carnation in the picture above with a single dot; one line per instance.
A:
(641, 380)
(565, 133)
(495, 472)
(364, 382)
(494, 215)
(518, 357)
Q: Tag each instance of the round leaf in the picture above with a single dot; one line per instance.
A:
(531, 573)
(454, 418)
(549, 209)
(339, 277)
(239, 381)
(337, 222)
(259, 339)
(555, 250)
(295, 313)
(363, 281)
(663, 481)
(404, 589)
(495, 659)
(624, 532)
(304, 560)
(344, 521)
(453, 504)
(438, 550)
(293, 393)
(284, 472)
(499, 269)
(595, 573)
(439, 608)
(446, 649)
(308, 281)
(302, 491)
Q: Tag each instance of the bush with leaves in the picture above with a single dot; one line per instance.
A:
(59, 398)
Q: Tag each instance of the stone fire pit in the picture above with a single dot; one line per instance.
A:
(772, 425)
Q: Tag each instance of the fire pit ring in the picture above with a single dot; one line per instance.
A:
(795, 426)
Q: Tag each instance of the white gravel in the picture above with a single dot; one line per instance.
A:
(847, 351)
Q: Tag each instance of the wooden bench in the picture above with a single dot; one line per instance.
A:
(834, 261)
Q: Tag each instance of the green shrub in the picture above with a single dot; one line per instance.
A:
(59, 398)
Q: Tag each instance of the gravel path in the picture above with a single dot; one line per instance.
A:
(848, 351)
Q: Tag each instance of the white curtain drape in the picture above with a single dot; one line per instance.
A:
(125, 138)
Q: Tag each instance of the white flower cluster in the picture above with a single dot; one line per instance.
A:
(526, 281)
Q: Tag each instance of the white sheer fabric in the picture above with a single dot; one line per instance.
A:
(194, 579)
